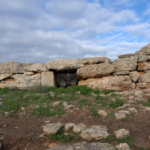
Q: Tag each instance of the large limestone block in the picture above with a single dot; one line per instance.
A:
(39, 67)
(142, 85)
(48, 79)
(116, 83)
(64, 64)
(73, 64)
(125, 64)
(84, 146)
(143, 66)
(134, 75)
(95, 71)
(144, 77)
(126, 55)
(25, 81)
(6, 82)
(95, 60)
(4, 76)
(11, 67)
(143, 58)
(144, 50)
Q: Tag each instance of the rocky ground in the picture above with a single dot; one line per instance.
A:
(50, 119)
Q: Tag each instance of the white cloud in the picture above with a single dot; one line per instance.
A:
(55, 29)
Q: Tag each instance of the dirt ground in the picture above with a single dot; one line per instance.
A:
(25, 132)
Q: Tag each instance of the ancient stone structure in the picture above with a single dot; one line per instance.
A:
(128, 72)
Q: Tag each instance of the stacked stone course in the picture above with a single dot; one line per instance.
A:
(128, 72)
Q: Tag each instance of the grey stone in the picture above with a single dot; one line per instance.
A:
(12, 67)
(4, 76)
(95, 71)
(134, 76)
(68, 126)
(121, 73)
(144, 50)
(79, 127)
(48, 79)
(120, 115)
(52, 128)
(39, 67)
(84, 146)
(123, 146)
(125, 64)
(126, 55)
(121, 133)
(95, 132)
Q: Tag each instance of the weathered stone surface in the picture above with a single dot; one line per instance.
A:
(24, 81)
(71, 64)
(64, 64)
(144, 50)
(68, 126)
(48, 79)
(52, 128)
(39, 67)
(102, 113)
(142, 85)
(126, 55)
(96, 132)
(134, 76)
(6, 82)
(125, 64)
(12, 67)
(121, 133)
(133, 110)
(95, 71)
(116, 83)
(144, 78)
(143, 66)
(29, 73)
(84, 146)
(143, 58)
(122, 73)
(120, 115)
(95, 60)
(4, 76)
(79, 127)
(123, 146)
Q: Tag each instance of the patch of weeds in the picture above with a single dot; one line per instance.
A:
(46, 111)
(94, 112)
(111, 114)
(60, 136)
(4, 90)
(12, 115)
(124, 119)
(144, 148)
(9, 105)
(111, 137)
(78, 136)
(83, 102)
(32, 135)
(148, 103)
(106, 92)
(116, 103)
(128, 139)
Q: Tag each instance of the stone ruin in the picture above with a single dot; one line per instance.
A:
(128, 72)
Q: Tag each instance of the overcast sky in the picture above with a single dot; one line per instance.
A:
(37, 31)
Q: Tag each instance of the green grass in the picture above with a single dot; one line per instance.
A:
(4, 90)
(61, 137)
(47, 111)
(111, 137)
(116, 103)
(148, 103)
(124, 119)
(128, 139)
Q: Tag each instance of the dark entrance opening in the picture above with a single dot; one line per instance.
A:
(66, 78)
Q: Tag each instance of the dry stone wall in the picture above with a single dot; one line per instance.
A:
(128, 72)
